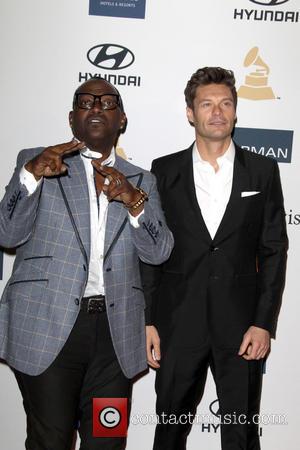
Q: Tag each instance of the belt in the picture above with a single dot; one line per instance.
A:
(93, 304)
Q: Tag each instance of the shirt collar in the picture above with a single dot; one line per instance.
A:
(90, 154)
(227, 157)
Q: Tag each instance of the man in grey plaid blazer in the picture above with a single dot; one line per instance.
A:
(72, 313)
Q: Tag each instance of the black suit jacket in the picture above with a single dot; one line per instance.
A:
(222, 286)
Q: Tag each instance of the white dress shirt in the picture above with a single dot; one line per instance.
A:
(213, 189)
(95, 283)
(98, 216)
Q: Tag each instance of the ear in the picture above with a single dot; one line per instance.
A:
(190, 115)
(123, 123)
(71, 119)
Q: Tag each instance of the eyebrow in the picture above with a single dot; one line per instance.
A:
(210, 98)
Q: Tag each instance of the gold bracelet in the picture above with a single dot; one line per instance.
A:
(143, 198)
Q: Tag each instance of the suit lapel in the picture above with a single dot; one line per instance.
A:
(117, 215)
(189, 194)
(240, 182)
(74, 189)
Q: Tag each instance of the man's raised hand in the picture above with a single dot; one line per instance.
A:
(49, 163)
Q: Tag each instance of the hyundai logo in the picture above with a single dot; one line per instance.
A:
(269, 2)
(110, 56)
(214, 408)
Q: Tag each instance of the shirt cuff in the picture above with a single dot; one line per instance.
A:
(29, 181)
(134, 220)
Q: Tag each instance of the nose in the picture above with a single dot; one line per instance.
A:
(216, 110)
(97, 105)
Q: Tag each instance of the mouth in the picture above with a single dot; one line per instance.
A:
(94, 121)
(217, 122)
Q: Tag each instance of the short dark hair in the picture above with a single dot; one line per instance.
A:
(209, 75)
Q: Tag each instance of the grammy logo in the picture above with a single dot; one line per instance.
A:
(120, 151)
(256, 82)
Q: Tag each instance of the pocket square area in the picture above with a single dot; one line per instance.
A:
(249, 193)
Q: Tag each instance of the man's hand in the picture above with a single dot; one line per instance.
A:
(255, 344)
(153, 346)
(119, 187)
(49, 163)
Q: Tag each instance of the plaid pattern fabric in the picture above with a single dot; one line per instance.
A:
(51, 230)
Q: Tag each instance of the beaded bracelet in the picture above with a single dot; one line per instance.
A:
(143, 198)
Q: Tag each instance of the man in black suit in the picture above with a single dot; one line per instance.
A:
(215, 302)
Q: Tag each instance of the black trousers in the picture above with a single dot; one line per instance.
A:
(180, 383)
(60, 399)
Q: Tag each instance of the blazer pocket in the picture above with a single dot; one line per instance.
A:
(32, 268)
(246, 194)
(30, 278)
(251, 199)
(32, 289)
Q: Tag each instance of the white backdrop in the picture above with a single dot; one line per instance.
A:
(44, 47)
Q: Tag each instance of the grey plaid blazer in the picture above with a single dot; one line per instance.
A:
(51, 232)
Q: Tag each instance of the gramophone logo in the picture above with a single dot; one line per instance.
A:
(256, 82)
(121, 152)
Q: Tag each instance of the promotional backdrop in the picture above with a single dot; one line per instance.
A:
(149, 49)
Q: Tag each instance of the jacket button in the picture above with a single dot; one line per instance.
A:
(214, 277)
(212, 248)
(108, 269)
(76, 301)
